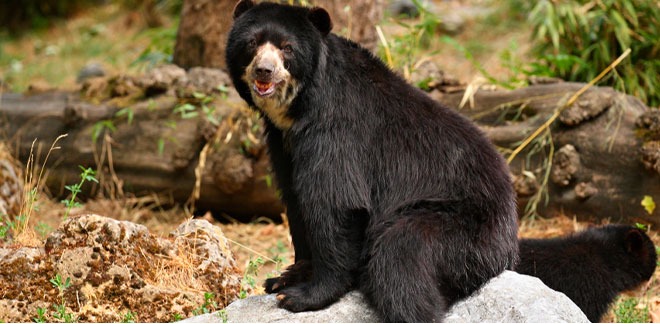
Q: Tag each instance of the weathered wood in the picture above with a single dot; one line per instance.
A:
(157, 151)
(597, 169)
(601, 166)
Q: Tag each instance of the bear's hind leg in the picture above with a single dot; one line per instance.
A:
(400, 278)
(424, 260)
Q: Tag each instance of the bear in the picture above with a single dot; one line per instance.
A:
(387, 191)
(591, 267)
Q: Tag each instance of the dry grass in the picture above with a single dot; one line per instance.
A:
(179, 272)
(32, 186)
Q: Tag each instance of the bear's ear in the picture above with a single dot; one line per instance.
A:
(320, 19)
(241, 7)
(635, 242)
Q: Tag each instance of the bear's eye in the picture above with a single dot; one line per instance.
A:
(252, 43)
(287, 49)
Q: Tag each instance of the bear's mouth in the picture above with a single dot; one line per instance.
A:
(263, 89)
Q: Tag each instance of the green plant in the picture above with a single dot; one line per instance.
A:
(627, 311)
(160, 48)
(100, 126)
(42, 229)
(128, 112)
(576, 39)
(402, 51)
(202, 101)
(86, 175)
(177, 317)
(249, 281)
(59, 284)
(222, 314)
(4, 229)
(41, 315)
(128, 317)
(208, 306)
(61, 313)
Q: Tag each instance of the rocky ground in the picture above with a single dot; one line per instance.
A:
(97, 269)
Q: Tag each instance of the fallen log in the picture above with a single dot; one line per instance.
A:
(151, 143)
(597, 169)
(601, 151)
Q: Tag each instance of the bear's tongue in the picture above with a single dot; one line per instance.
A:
(263, 88)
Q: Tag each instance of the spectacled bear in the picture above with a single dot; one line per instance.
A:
(591, 267)
(386, 190)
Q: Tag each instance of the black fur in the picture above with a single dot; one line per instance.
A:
(386, 190)
(591, 267)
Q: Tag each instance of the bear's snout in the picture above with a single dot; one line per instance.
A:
(267, 63)
(264, 70)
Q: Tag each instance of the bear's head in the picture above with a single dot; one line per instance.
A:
(273, 51)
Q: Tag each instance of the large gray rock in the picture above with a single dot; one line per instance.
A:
(510, 297)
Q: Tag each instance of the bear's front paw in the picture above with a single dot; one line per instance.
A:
(273, 285)
(296, 273)
(303, 298)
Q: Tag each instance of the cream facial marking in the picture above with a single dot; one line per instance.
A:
(271, 85)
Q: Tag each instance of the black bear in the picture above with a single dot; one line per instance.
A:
(386, 190)
(591, 267)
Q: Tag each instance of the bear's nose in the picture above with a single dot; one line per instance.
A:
(264, 70)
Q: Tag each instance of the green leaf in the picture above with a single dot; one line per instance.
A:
(128, 112)
(161, 146)
(648, 204)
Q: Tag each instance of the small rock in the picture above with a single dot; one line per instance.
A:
(451, 23)
(89, 71)
(406, 8)
(207, 80)
(161, 79)
(428, 76)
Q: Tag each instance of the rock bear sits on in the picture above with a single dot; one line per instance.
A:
(386, 190)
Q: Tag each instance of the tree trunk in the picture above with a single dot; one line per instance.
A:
(355, 19)
(202, 33)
